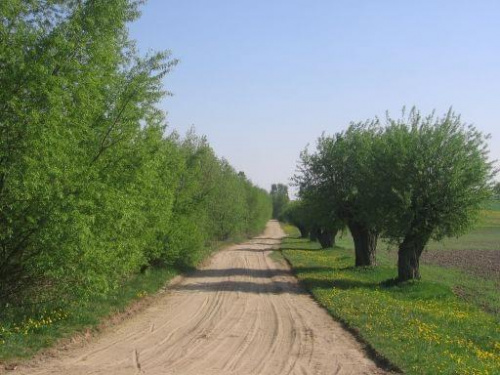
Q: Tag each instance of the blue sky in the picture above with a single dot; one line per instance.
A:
(262, 79)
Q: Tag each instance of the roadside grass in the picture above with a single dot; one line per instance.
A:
(24, 331)
(421, 327)
(480, 291)
(483, 292)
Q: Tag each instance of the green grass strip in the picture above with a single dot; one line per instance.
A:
(421, 327)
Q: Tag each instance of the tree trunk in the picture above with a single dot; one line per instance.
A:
(409, 256)
(313, 234)
(304, 233)
(326, 238)
(365, 244)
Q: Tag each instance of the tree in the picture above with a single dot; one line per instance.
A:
(279, 196)
(296, 213)
(92, 190)
(324, 224)
(432, 176)
(496, 189)
(212, 203)
(314, 221)
(333, 179)
(259, 207)
(81, 146)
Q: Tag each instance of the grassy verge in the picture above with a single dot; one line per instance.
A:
(421, 327)
(27, 330)
(486, 235)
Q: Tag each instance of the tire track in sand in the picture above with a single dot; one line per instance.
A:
(242, 314)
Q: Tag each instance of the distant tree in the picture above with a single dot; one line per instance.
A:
(313, 220)
(296, 213)
(280, 198)
(334, 180)
(432, 176)
(324, 224)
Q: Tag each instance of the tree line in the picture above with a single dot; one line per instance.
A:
(407, 180)
(93, 187)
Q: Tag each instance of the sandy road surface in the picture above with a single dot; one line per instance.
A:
(241, 314)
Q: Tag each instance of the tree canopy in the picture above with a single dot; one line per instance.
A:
(93, 188)
(433, 174)
(333, 179)
(409, 180)
(280, 198)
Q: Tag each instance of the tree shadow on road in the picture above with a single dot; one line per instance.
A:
(249, 272)
(264, 243)
(275, 287)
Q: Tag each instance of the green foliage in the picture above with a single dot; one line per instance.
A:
(299, 214)
(411, 180)
(433, 174)
(313, 220)
(92, 189)
(496, 190)
(333, 181)
(279, 195)
(334, 176)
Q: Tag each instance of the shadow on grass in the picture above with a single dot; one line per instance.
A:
(275, 243)
(309, 246)
(295, 240)
(314, 283)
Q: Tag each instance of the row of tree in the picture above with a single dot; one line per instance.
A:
(280, 199)
(408, 180)
(92, 188)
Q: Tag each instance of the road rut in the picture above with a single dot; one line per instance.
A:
(241, 314)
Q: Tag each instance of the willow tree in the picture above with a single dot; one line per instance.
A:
(297, 214)
(334, 179)
(433, 174)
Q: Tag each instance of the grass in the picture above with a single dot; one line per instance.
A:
(477, 290)
(25, 331)
(493, 205)
(421, 327)
(486, 235)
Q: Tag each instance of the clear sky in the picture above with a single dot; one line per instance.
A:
(263, 78)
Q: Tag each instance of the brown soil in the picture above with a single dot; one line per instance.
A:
(240, 314)
(484, 263)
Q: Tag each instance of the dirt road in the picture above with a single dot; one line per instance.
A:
(241, 314)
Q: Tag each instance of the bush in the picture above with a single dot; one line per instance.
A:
(92, 189)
